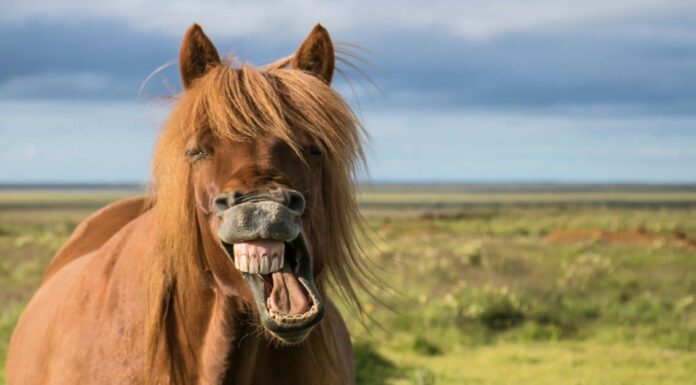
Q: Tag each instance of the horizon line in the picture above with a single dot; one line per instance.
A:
(367, 183)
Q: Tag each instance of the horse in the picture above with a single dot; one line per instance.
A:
(220, 275)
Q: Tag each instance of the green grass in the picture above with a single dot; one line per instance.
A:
(493, 295)
(534, 363)
(67, 199)
(549, 293)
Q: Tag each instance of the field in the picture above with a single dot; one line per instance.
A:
(483, 284)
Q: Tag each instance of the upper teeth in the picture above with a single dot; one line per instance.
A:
(255, 264)
(259, 257)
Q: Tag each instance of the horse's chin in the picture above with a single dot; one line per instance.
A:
(287, 300)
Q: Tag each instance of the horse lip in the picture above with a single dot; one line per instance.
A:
(258, 219)
(289, 329)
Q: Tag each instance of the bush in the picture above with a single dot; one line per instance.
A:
(501, 315)
(371, 367)
(424, 347)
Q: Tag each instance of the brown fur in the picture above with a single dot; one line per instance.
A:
(158, 302)
(94, 230)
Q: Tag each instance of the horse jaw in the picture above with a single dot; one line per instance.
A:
(288, 302)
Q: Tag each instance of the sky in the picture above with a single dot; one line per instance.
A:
(460, 91)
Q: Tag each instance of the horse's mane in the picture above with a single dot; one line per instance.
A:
(243, 103)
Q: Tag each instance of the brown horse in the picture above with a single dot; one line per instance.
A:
(221, 275)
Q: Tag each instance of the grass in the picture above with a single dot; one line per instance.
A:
(534, 363)
(559, 291)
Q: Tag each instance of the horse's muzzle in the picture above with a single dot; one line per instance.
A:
(262, 233)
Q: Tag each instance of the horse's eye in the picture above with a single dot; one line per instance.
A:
(314, 151)
(196, 153)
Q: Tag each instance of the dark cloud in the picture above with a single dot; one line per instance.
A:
(68, 49)
(540, 71)
(106, 48)
(574, 69)
(104, 45)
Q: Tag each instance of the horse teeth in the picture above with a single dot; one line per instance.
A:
(265, 265)
(257, 264)
(262, 256)
(243, 263)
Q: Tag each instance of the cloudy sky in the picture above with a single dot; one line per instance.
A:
(489, 90)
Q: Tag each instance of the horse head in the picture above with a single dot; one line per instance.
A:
(266, 158)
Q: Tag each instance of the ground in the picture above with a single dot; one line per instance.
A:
(479, 285)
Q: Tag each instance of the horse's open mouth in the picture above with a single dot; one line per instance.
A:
(280, 277)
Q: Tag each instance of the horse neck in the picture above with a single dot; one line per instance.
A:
(236, 351)
(225, 330)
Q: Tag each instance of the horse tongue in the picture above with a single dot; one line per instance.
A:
(287, 296)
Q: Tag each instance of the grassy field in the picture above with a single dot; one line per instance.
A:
(487, 285)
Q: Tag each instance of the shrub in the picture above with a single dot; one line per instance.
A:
(424, 347)
(371, 367)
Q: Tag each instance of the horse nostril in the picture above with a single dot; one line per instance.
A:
(226, 200)
(220, 203)
(296, 201)
(233, 198)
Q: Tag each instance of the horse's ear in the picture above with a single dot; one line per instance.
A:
(196, 55)
(316, 54)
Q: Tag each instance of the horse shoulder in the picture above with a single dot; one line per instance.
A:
(89, 312)
(95, 230)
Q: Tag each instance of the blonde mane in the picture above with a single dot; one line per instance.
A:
(245, 103)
